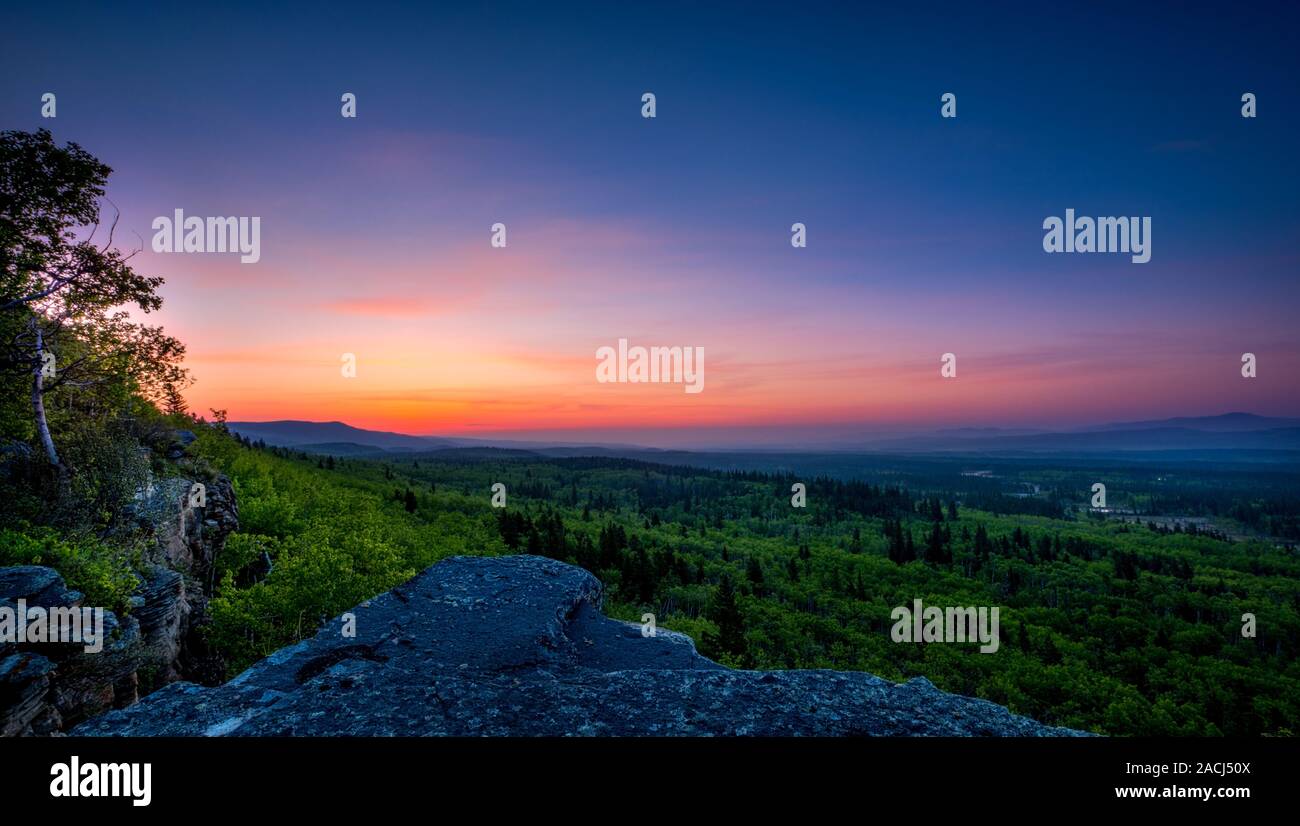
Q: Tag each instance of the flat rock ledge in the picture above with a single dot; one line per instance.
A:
(517, 646)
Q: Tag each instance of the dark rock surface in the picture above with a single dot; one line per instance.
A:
(47, 686)
(518, 646)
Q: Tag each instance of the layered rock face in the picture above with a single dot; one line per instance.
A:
(180, 572)
(518, 646)
(45, 686)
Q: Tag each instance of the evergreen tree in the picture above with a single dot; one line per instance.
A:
(725, 613)
(173, 401)
(983, 547)
(936, 549)
(754, 573)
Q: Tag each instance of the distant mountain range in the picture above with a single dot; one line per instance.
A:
(1255, 437)
(339, 439)
(334, 437)
(1227, 423)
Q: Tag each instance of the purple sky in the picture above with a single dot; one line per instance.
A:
(924, 233)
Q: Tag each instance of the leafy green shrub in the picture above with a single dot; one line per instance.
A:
(102, 573)
(109, 469)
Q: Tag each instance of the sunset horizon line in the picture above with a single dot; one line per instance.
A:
(794, 434)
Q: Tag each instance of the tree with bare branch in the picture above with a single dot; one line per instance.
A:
(65, 295)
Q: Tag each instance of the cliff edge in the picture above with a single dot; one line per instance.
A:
(518, 646)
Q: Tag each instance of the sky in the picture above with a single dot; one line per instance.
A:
(924, 233)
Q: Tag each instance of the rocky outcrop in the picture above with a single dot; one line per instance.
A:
(188, 524)
(45, 687)
(189, 527)
(518, 646)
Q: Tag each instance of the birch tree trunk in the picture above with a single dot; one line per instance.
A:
(38, 397)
